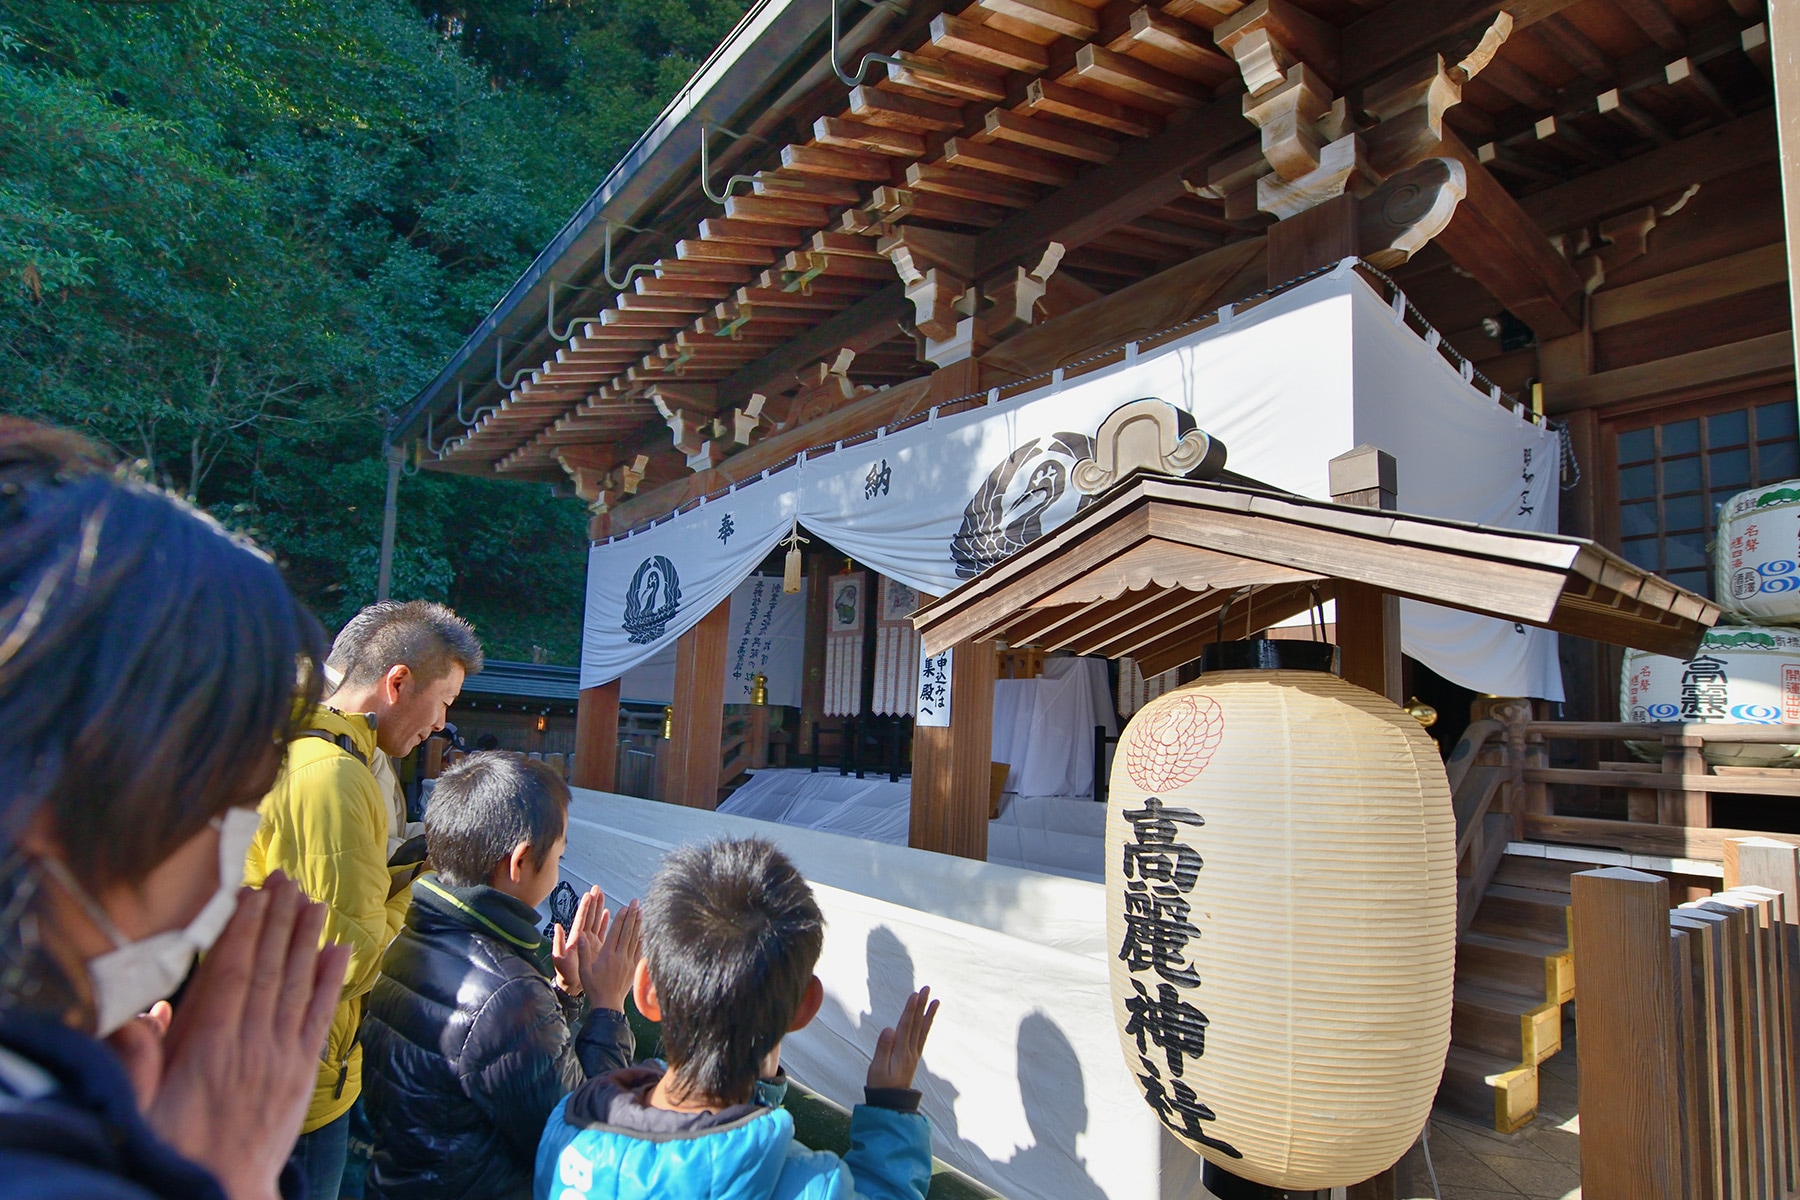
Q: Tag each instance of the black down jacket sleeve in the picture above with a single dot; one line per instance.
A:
(521, 1059)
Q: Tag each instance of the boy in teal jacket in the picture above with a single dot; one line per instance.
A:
(731, 936)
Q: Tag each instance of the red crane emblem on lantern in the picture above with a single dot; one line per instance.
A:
(1175, 743)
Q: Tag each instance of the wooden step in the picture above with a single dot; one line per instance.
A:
(1525, 912)
(1521, 1029)
(1491, 1090)
(1546, 874)
(1516, 965)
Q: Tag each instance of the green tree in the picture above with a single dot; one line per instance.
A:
(234, 233)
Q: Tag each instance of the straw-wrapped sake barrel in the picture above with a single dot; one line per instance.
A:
(1281, 904)
(1741, 675)
(1756, 556)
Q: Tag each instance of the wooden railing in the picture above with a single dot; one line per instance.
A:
(1667, 804)
(1690, 1032)
(1484, 824)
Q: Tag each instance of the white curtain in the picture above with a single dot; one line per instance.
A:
(768, 635)
(1287, 386)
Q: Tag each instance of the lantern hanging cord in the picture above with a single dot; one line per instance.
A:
(1425, 1145)
(1317, 610)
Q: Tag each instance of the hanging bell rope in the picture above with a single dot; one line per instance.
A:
(790, 572)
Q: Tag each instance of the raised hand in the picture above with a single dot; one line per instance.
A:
(898, 1050)
(241, 1054)
(567, 947)
(607, 974)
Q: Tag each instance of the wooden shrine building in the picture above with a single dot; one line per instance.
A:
(852, 223)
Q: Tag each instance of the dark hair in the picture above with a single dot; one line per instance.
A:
(152, 669)
(354, 636)
(487, 804)
(424, 636)
(732, 934)
(150, 662)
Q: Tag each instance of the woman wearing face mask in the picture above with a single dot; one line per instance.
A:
(147, 686)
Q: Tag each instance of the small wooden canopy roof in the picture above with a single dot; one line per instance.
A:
(1159, 567)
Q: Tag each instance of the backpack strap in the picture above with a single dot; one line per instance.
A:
(342, 741)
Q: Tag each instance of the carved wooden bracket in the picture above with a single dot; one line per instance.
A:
(1270, 36)
(1397, 219)
(744, 421)
(1341, 168)
(1287, 114)
(937, 269)
(1316, 146)
(824, 387)
(1014, 296)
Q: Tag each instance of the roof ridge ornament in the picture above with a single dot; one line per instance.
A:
(1146, 435)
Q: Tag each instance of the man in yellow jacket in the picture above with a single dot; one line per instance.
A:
(326, 824)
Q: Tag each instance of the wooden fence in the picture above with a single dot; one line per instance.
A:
(1689, 1037)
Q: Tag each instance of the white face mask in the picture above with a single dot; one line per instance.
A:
(132, 976)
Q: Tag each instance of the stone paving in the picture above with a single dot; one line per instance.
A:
(1540, 1162)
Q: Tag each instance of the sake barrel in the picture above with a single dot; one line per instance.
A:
(1756, 557)
(1741, 675)
(1281, 908)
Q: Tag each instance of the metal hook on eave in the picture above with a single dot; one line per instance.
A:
(720, 197)
(632, 271)
(862, 68)
(470, 419)
(438, 450)
(504, 385)
(550, 308)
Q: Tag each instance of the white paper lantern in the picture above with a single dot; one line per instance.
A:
(1741, 675)
(1756, 558)
(1281, 897)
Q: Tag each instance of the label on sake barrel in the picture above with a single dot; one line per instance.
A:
(1756, 558)
(1741, 675)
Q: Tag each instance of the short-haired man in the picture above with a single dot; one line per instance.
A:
(478, 1026)
(344, 649)
(731, 936)
(326, 825)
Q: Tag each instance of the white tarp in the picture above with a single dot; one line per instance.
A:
(1023, 1080)
(1287, 386)
(768, 636)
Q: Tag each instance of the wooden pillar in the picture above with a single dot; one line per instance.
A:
(1318, 237)
(1630, 1124)
(597, 738)
(812, 682)
(1784, 40)
(757, 737)
(1368, 619)
(953, 765)
(694, 736)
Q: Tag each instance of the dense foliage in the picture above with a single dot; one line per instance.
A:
(234, 233)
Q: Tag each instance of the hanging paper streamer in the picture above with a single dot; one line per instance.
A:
(844, 644)
(896, 650)
(1135, 690)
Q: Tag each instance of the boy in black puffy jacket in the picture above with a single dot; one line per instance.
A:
(478, 1026)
